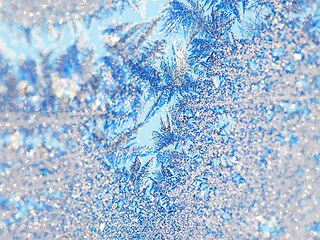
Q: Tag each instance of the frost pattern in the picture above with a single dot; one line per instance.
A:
(234, 86)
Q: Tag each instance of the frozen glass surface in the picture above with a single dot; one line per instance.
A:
(162, 119)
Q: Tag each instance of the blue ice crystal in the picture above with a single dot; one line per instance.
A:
(173, 119)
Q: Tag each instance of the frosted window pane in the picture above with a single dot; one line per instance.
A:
(159, 119)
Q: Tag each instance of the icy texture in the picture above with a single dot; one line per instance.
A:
(234, 89)
(30, 13)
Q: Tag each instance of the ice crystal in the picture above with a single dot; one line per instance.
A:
(228, 90)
